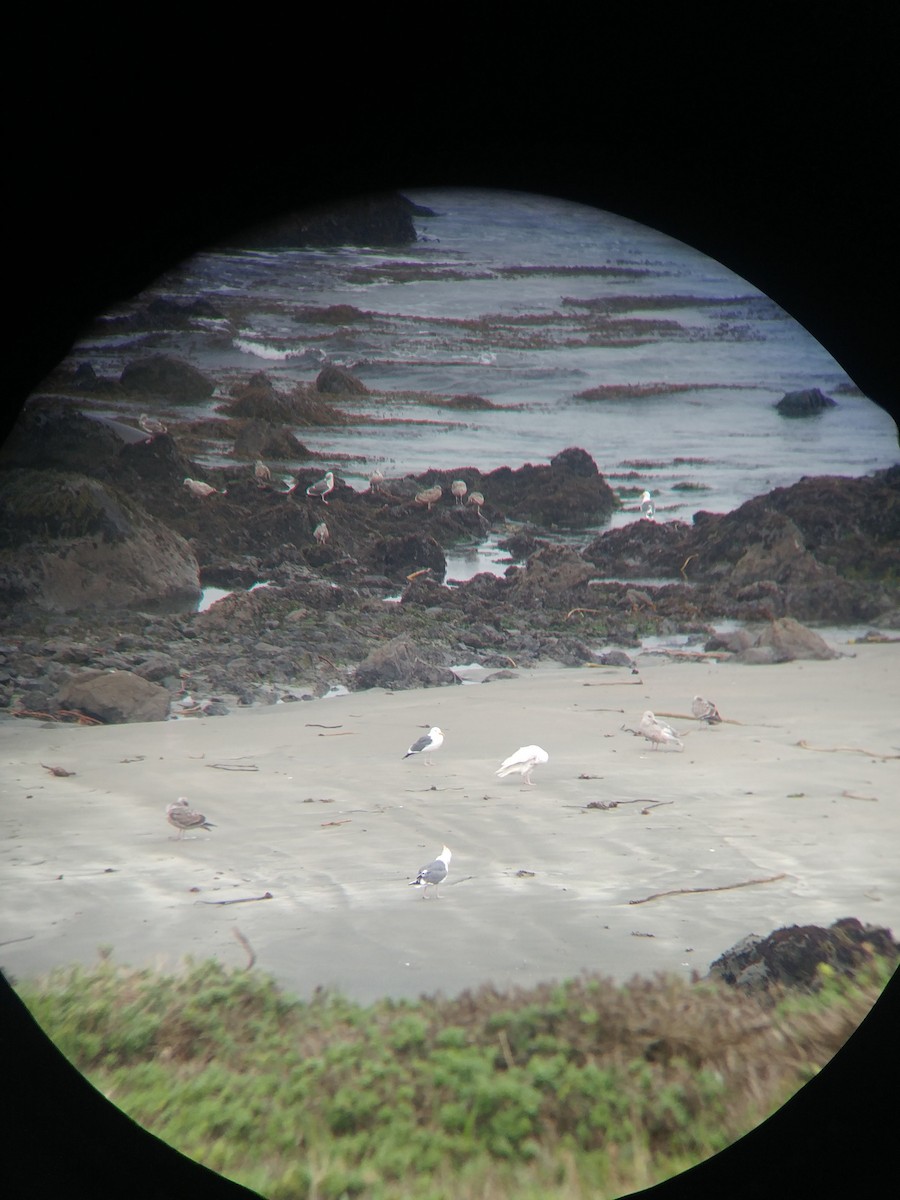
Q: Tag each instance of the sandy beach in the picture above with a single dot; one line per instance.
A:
(314, 803)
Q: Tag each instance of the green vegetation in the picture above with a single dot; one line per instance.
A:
(562, 1091)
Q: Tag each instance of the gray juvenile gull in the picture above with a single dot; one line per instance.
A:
(151, 425)
(430, 495)
(458, 488)
(648, 508)
(198, 488)
(658, 732)
(322, 487)
(434, 872)
(477, 499)
(183, 817)
(432, 740)
(705, 710)
(525, 759)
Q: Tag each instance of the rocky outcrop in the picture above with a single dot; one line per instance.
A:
(172, 379)
(115, 697)
(804, 404)
(339, 381)
(793, 956)
(374, 220)
(402, 663)
(69, 543)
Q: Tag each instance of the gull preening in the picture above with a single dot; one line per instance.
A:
(430, 495)
(525, 759)
(182, 816)
(705, 710)
(434, 872)
(658, 732)
(322, 487)
(432, 740)
(648, 508)
(151, 425)
(321, 533)
(198, 488)
(262, 473)
(458, 488)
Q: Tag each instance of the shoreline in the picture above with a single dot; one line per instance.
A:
(334, 823)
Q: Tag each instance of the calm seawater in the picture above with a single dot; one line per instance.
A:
(500, 298)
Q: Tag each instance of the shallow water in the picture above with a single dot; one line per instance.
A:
(499, 298)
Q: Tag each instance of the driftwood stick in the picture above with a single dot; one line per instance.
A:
(251, 953)
(240, 900)
(844, 749)
(233, 766)
(725, 887)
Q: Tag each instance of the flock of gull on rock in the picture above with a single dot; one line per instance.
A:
(522, 762)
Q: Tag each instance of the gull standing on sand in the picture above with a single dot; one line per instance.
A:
(430, 495)
(322, 487)
(525, 759)
(182, 816)
(658, 732)
(705, 710)
(261, 473)
(198, 488)
(321, 533)
(432, 740)
(151, 425)
(434, 872)
(648, 508)
(458, 488)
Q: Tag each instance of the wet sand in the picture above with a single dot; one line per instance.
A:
(334, 823)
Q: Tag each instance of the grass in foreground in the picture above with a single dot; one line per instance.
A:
(585, 1088)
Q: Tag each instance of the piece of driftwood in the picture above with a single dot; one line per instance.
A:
(239, 900)
(725, 887)
(844, 750)
(233, 766)
(251, 953)
(61, 772)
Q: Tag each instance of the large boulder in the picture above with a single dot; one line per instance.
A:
(807, 403)
(340, 382)
(115, 697)
(403, 663)
(790, 640)
(68, 542)
(162, 375)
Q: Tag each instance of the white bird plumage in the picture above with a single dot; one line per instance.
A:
(525, 759)
(322, 487)
(198, 488)
(658, 732)
(151, 425)
(458, 488)
(434, 872)
(321, 533)
(261, 472)
(430, 495)
(432, 740)
(648, 508)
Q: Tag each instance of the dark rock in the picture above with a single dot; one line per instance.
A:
(403, 663)
(734, 641)
(258, 400)
(790, 640)
(339, 381)
(115, 697)
(615, 658)
(69, 543)
(56, 435)
(805, 403)
(262, 439)
(374, 220)
(400, 556)
(175, 380)
(791, 956)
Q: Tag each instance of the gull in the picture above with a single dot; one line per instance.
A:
(430, 495)
(477, 499)
(705, 710)
(322, 487)
(197, 488)
(376, 479)
(183, 817)
(321, 533)
(658, 732)
(432, 740)
(262, 473)
(151, 425)
(648, 508)
(525, 759)
(459, 488)
(434, 872)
